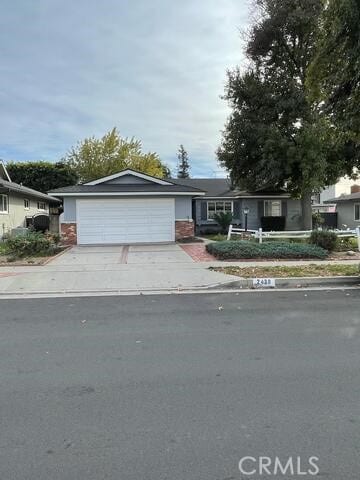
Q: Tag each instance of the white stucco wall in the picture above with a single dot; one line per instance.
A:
(17, 213)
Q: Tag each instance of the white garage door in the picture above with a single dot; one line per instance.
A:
(125, 220)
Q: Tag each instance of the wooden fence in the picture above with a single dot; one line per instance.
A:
(261, 235)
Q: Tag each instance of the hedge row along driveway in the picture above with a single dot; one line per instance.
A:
(272, 250)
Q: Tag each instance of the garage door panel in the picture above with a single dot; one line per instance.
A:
(125, 220)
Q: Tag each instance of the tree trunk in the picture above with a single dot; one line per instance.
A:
(306, 210)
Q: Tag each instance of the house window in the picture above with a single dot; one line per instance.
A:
(41, 206)
(4, 204)
(26, 204)
(272, 208)
(357, 212)
(217, 207)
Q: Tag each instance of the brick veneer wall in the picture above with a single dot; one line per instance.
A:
(184, 229)
(68, 233)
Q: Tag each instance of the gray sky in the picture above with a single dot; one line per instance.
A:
(154, 69)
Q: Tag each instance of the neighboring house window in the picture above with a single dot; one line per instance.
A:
(4, 204)
(26, 204)
(41, 206)
(272, 208)
(357, 211)
(217, 207)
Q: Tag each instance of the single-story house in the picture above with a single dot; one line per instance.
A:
(17, 203)
(127, 207)
(221, 197)
(132, 207)
(348, 208)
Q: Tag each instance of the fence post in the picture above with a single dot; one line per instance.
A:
(229, 232)
(358, 237)
(260, 235)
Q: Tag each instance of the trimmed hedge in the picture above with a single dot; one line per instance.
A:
(246, 249)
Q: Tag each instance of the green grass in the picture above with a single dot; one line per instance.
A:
(215, 237)
(293, 271)
(2, 249)
(220, 237)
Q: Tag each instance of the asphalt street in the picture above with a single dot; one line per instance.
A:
(179, 387)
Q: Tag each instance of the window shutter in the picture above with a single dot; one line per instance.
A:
(260, 208)
(237, 209)
(284, 210)
(203, 210)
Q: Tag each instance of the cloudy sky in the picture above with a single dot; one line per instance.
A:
(154, 69)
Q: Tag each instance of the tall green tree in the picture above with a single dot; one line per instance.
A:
(94, 157)
(42, 176)
(275, 136)
(334, 77)
(183, 163)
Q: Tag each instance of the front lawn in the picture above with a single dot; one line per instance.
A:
(272, 250)
(293, 271)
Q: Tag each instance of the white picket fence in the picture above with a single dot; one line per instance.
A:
(261, 236)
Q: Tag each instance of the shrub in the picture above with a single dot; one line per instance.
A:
(346, 243)
(324, 239)
(246, 249)
(223, 219)
(31, 244)
(317, 220)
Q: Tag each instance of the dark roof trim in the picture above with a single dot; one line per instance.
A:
(129, 171)
(4, 172)
(27, 192)
(123, 189)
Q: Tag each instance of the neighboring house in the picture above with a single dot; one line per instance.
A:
(348, 208)
(220, 197)
(18, 202)
(342, 187)
(127, 207)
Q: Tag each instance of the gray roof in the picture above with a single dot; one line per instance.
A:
(124, 188)
(221, 187)
(27, 192)
(344, 198)
(214, 187)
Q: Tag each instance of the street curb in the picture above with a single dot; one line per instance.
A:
(243, 284)
(295, 282)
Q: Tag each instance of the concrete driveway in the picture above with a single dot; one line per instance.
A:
(111, 269)
(124, 254)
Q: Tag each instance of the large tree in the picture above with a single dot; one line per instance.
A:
(275, 136)
(334, 77)
(95, 158)
(42, 176)
(183, 163)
